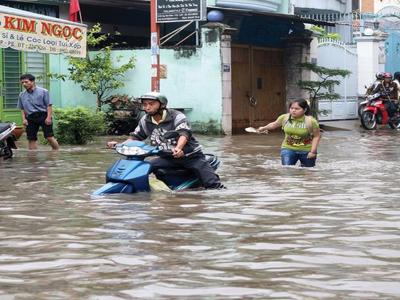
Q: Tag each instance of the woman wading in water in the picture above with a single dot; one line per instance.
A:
(302, 134)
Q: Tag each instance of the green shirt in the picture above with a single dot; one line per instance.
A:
(297, 135)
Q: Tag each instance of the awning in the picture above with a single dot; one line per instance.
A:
(26, 31)
(288, 17)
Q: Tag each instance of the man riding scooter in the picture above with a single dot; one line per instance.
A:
(389, 88)
(186, 151)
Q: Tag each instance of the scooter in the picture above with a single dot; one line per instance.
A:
(131, 174)
(376, 113)
(7, 140)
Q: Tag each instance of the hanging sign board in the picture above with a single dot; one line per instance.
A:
(41, 33)
(180, 10)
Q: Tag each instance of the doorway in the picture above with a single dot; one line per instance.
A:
(258, 86)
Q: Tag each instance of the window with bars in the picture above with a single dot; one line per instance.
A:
(13, 67)
(11, 74)
(36, 64)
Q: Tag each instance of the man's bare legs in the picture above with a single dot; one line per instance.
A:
(53, 143)
(32, 145)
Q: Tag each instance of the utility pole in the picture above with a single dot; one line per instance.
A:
(155, 47)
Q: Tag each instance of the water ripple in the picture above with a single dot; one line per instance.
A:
(276, 233)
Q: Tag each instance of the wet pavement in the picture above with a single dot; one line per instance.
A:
(331, 232)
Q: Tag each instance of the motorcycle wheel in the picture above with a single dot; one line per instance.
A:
(368, 120)
(8, 152)
(361, 110)
(395, 124)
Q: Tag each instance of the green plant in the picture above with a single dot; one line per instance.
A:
(212, 127)
(122, 115)
(97, 72)
(78, 125)
(324, 34)
(322, 88)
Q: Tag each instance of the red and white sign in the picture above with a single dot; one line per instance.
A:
(33, 34)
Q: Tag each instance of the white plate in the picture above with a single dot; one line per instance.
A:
(251, 129)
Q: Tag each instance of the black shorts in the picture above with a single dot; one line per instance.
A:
(36, 120)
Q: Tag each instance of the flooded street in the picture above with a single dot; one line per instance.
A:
(332, 232)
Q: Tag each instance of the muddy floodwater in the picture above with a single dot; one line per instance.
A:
(332, 232)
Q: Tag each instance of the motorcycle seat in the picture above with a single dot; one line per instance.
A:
(4, 127)
(211, 159)
(173, 172)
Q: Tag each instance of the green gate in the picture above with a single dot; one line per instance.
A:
(13, 63)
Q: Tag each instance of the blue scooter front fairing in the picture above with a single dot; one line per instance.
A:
(131, 175)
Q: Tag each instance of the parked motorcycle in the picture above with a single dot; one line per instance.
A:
(376, 113)
(7, 140)
(362, 105)
(131, 174)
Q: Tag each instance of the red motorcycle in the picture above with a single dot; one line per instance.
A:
(376, 113)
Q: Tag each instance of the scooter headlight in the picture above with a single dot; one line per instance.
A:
(130, 151)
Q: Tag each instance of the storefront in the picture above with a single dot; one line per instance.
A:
(26, 40)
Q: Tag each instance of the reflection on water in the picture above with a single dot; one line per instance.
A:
(279, 233)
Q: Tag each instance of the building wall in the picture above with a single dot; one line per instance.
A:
(380, 5)
(367, 6)
(194, 82)
(281, 6)
(326, 5)
(296, 52)
(371, 59)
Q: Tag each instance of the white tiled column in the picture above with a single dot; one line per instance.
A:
(226, 83)
(371, 59)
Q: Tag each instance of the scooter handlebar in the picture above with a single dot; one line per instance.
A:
(165, 153)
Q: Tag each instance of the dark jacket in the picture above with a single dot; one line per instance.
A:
(174, 120)
(372, 87)
(390, 89)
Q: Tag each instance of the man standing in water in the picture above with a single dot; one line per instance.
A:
(36, 110)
